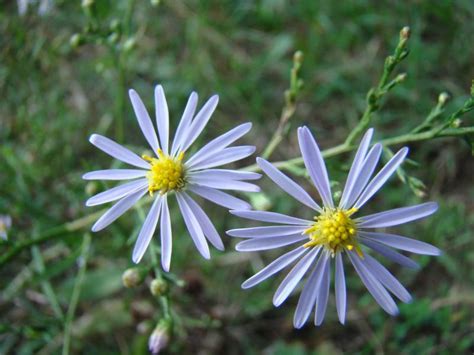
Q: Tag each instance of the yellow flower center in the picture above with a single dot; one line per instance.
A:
(166, 173)
(335, 230)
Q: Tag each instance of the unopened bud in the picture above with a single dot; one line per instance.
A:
(76, 40)
(155, 2)
(401, 77)
(456, 123)
(160, 337)
(405, 33)
(158, 287)
(133, 277)
(129, 44)
(91, 188)
(298, 57)
(87, 3)
(113, 38)
(442, 98)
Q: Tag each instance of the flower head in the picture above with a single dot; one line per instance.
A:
(5, 224)
(335, 231)
(174, 171)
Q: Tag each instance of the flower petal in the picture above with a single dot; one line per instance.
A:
(323, 295)
(144, 120)
(402, 243)
(166, 235)
(116, 151)
(117, 210)
(162, 117)
(389, 253)
(375, 288)
(147, 230)
(117, 192)
(184, 123)
(269, 243)
(225, 174)
(387, 279)
(365, 174)
(200, 121)
(266, 232)
(397, 216)
(193, 227)
(114, 174)
(219, 197)
(294, 276)
(206, 225)
(271, 217)
(224, 184)
(287, 185)
(377, 182)
(314, 162)
(225, 156)
(340, 289)
(274, 267)
(218, 144)
(356, 167)
(308, 296)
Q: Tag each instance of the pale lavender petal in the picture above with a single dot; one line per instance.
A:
(274, 267)
(147, 230)
(387, 279)
(294, 276)
(340, 289)
(314, 162)
(200, 121)
(390, 253)
(226, 156)
(356, 167)
(271, 217)
(117, 192)
(225, 174)
(114, 174)
(224, 184)
(310, 291)
(269, 243)
(219, 197)
(402, 243)
(266, 232)
(206, 225)
(193, 227)
(397, 216)
(364, 175)
(184, 123)
(162, 117)
(144, 120)
(323, 295)
(117, 210)
(377, 182)
(166, 235)
(375, 288)
(287, 185)
(116, 151)
(218, 144)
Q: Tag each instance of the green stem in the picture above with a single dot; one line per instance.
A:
(76, 292)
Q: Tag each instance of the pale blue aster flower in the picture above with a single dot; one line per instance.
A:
(172, 171)
(334, 232)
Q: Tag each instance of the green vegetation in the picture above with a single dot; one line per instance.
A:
(65, 74)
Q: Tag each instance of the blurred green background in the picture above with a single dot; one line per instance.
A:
(64, 74)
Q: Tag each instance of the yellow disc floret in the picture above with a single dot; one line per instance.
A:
(335, 230)
(166, 173)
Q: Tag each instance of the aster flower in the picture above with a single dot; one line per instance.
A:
(171, 171)
(334, 232)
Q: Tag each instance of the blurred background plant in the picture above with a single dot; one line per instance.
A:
(64, 73)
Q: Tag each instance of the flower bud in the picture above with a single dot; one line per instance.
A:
(401, 77)
(442, 98)
(405, 33)
(160, 337)
(133, 277)
(87, 3)
(298, 57)
(155, 2)
(76, 40)
(456, 123)
(129, 44)
(158, 287)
